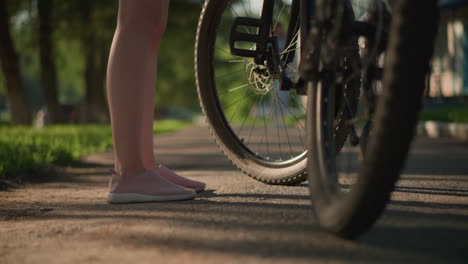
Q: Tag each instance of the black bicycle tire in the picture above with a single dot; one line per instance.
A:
(286, 174)
(407, 61)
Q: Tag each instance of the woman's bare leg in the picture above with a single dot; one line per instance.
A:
(132, 58)
(146, 143)
(149, 160)
(133, 54)
(146, 140)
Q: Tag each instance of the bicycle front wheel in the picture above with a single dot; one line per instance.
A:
(350, 188)
(257, 125)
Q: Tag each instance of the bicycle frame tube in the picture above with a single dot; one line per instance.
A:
(301, 10)
(267, 12)
(307, 10)
(293, 28)
(304, 10)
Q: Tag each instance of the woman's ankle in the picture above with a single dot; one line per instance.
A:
(150, 165)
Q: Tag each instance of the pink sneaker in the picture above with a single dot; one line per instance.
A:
(179, 180)
(145, 187)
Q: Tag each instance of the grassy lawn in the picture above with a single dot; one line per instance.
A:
(27, 150)
(169, 125)
(457, 114)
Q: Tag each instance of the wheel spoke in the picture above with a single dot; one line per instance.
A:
(286, 131)
(242, 98)
(229, 73)
(237, 108)
(278, 16)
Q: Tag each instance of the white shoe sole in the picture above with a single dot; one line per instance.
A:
(119, 198)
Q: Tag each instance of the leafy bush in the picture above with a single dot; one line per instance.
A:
(27, 149)
(457, 114)
(169, 125)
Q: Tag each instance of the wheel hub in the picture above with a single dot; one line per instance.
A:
(258, 77)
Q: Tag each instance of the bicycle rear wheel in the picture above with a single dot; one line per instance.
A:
(350, 188)
(258, 126)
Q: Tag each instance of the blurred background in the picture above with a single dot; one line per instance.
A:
(448, 83)
(54, 57)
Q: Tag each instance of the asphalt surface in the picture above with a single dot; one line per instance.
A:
(237, 220)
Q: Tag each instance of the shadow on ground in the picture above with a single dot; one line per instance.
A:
(428, 223)
(268, 228)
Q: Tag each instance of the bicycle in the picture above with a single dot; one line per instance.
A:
(360, 115)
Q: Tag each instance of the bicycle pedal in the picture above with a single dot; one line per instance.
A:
(246, 30)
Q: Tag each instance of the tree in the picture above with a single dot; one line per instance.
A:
(95, 44)
(176, 82)
(48, 69)
(91, 24)
(18, 107)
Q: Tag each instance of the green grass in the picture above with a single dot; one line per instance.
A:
(169, 125)
(28, 150)
(457, 114)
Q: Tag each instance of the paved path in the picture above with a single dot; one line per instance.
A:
(238, 220)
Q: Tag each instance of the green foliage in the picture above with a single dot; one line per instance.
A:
(169, 125)
(457, 114)
(26, 149)
(176, 81)
(80, 25)
(70, 65)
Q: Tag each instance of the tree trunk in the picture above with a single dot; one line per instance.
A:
(19, 110)
(94, 109)
(48, 69)
(100, 100)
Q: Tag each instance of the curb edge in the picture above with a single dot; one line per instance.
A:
(435, 129)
